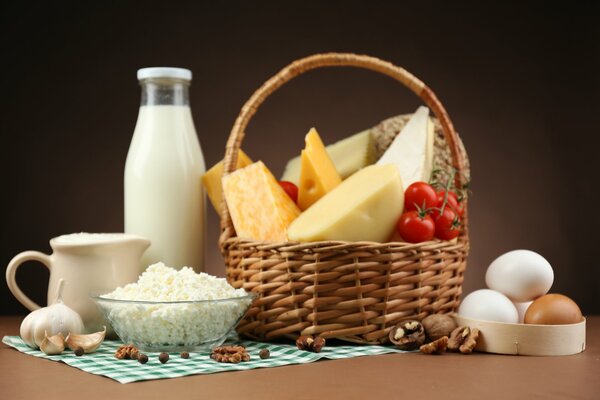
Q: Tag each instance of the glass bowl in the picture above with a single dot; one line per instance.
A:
(174, 325)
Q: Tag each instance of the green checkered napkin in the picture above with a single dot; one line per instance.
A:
(103, 361)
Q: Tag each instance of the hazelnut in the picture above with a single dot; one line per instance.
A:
(308, 343)
(264, 354)
(318, 344)
(408, 335)
(304, 342)
(438, 325)
(185, 354)
(142, 358)
(163, 358)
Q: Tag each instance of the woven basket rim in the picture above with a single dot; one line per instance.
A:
(327, 245)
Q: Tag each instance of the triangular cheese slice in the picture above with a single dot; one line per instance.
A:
(317, 173)
(348, 155)
(260, 209)
(412, 149)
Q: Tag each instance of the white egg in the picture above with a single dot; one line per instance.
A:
(522, 309)
(521, 275)
(488, 305)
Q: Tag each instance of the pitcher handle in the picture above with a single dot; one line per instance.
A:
(11, 272)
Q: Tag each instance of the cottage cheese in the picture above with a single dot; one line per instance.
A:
(154, 326)
(161, 283)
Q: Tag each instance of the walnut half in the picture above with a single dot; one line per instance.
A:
(127, 352)
(435, 347)
(408, 335)
(463, 339)
(230, 354)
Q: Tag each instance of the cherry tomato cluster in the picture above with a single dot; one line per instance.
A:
(429, 213)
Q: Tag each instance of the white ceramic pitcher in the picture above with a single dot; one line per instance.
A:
(90, 263)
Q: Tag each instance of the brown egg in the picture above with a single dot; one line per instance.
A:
(553, 309)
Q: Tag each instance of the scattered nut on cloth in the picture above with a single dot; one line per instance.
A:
(264, 354)
(127, 352)
(308, 343)
(230, 354)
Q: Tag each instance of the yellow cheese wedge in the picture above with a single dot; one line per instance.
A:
(366, 206)
(260, 209)
(212, 180)
(317, 173)
(348, 155)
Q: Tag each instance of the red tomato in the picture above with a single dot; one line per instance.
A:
(447, 225)
(452, 203)
(419, 195)
(415, 227)
(290, 189)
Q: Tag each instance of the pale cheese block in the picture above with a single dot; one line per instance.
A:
(348, 155)
(366, 206)
(260, 209)
(318, 175)
(412, 149)
(212, 179)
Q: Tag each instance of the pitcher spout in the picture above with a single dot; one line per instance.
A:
(141, 243)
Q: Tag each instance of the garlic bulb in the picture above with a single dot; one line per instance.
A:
(89, 343)
(53, 345)
(54, 319)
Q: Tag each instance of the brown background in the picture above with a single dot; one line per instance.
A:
(522, 86)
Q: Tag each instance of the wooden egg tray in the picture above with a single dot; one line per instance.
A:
(527, 339)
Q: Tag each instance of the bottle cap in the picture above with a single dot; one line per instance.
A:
(164, 72)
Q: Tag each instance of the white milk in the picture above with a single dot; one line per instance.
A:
(164, 197)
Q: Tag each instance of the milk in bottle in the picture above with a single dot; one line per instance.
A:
(164, 197)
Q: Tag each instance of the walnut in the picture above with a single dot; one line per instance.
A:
(230, 354)
(436, 347)
(127, 352)
(309, 343)
(463, 339)
(408, 335)
(438, 325)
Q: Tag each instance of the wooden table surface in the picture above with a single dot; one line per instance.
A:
(408, 376)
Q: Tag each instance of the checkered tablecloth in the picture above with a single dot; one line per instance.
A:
(103, 361)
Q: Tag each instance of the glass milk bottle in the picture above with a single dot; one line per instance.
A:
(164, 197)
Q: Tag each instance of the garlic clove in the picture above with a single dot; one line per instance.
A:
(89, 343)
(53, 344)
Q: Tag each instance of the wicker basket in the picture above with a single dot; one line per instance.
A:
(353, 291)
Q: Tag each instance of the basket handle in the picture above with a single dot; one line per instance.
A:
(306, 64)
